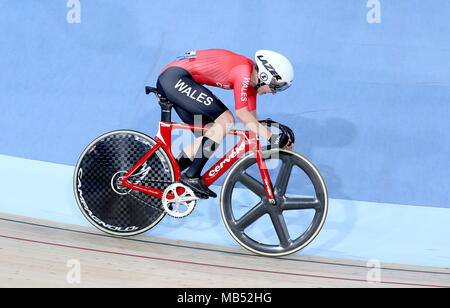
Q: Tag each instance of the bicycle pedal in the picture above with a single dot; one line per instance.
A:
(201, 196)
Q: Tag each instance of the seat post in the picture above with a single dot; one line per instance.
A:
(166, 106)
(166, 110)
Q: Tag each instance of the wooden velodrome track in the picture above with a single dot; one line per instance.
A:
(36, 253)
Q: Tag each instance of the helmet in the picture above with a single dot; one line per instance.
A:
(274, 69)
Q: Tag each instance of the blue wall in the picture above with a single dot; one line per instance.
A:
(370, 102)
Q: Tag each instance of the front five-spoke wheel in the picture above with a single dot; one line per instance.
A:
(284, 227)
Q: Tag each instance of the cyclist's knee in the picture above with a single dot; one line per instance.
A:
(221, 126)
(226, 119)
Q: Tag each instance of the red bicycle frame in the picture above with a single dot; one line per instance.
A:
(248, 142)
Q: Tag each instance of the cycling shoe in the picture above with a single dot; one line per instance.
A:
(198, 186)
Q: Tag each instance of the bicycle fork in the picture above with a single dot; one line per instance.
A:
(256, 148)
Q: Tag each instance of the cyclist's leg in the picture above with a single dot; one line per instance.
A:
(206, 146)
(194, 99)
(176, 83)
(186, 156)
(217, 131)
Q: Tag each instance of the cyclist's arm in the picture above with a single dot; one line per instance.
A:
(251, 120)
(245, 101)
(255, 115)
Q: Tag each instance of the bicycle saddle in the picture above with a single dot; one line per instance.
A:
(162, 98)
(149, 90)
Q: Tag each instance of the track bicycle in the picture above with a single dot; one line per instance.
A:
(273, 201)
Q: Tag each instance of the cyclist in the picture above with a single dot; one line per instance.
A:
(181, 82)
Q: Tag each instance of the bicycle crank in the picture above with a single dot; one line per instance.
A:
(178, 200)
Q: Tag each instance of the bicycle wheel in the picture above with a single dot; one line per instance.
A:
(98, 190)
(289, 225)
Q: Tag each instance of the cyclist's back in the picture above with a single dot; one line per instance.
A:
(220, 68)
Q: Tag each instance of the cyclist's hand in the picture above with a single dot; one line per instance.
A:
(286, 138)
(279, 140)
(289, 145)
(291, 135)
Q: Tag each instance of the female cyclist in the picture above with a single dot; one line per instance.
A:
(181, 82)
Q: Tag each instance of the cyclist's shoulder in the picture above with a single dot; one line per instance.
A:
(215, 55)
(225, 53)
(220, 51)
(242, 70)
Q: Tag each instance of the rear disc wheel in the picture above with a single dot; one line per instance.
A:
(99, 193)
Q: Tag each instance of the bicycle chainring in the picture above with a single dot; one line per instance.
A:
(178, 200)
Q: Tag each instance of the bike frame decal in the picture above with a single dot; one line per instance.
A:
(248, 142)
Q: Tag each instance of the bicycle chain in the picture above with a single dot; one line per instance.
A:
(132, 193)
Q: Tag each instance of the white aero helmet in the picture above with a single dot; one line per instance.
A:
(274, 70)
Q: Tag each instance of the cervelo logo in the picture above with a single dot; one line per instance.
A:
(201, 98)
(269, 67)
(233, 154)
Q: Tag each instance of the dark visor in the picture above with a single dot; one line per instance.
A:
(276, 86)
